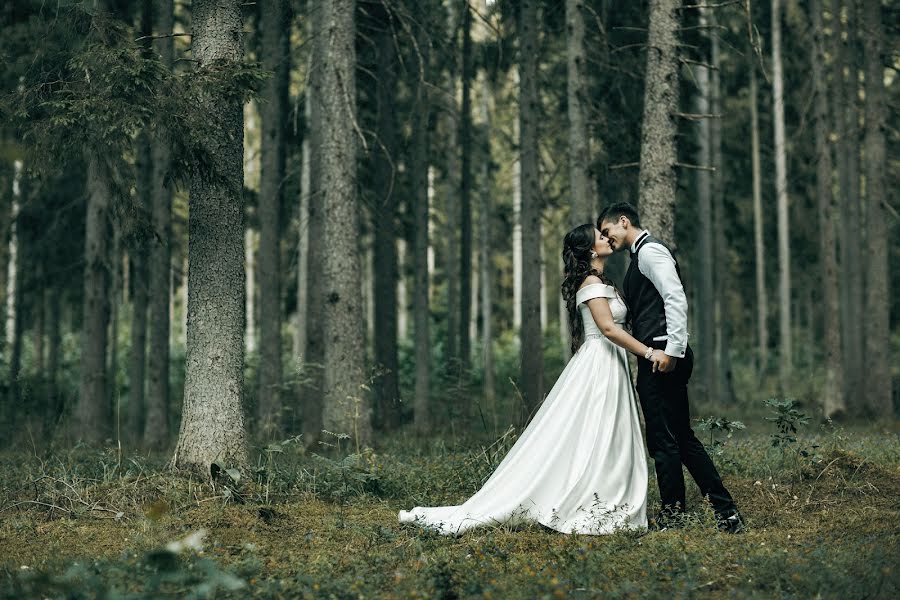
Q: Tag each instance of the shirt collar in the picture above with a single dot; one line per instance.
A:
(638, 239)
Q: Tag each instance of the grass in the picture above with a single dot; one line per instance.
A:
(822, 515)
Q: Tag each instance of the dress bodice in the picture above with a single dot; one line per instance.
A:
(599, 290)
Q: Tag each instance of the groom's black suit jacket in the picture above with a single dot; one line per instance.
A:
(646, 310)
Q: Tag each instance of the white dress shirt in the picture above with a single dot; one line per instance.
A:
(657, 264)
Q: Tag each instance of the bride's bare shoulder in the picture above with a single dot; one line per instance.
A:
(589, 280)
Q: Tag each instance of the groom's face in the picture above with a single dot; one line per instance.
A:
(615, 232)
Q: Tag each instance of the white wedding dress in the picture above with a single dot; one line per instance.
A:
(580, 465)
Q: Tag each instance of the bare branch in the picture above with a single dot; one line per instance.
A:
(697, 167)
(696, 116)
(624, 166)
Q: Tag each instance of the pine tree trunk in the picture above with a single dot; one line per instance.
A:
(705, 302)
(847, 119)
(54, 351)
(421, 202)
(12, 273)
(531, 356)
(91, 418)
(783, 213)
(485, 211)
(762, 327)
(156, 420)
(312, 405)
(274, 34)
(347, 408)
(465, 199)
(579, 149)
(115, 299)
(833, 390)
(877, 316)
(656, 182)
(212, 423)
(517, 220)
(387, 388)
(452, 207)
(250, 245)
(137, 354)
(300, 320)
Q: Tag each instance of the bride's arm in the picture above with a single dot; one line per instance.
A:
(613, 332)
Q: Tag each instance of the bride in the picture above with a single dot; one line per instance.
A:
(580, 465)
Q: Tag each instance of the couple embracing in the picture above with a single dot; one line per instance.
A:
(580, 464)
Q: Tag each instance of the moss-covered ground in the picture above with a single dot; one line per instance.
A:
(823, 516)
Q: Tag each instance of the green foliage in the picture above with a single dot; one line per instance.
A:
(788, 418)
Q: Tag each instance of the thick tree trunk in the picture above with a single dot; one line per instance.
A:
(762, 327)
(847, 125)
(877, 316)
(783, 212)
(387, 387)
(212, 423)
(312, 405)
(579, 149)
(656, 182)
(275, 29)
(705, 299)
(531, 355)
(421, 249)
(91, 418)
(465, 200)
(452, 207)
(300, 317)
(156, 420)
(833, 390)
(115, 299)
(347, 408)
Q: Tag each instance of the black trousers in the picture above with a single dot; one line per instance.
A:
(670, 439)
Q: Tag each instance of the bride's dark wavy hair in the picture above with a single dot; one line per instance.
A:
(576, 254)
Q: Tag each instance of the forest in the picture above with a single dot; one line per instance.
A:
(273, 270)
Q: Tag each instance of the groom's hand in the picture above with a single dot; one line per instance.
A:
(662, 362)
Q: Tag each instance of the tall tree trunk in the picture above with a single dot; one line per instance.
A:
(579, 149)
(465, 199)
(347, 409)
(422, 187)
(517, 219)
(91, 420)
(251, 238)
(484, 251)
(762, 327)
(452, 210)
(137, 354)
(12, 273)
(300, 318)
(705, 299)
(387, 388)
(724, 377)
(847, 118)
(877, 316)
(783, 212)
(115, 299)
(312, 405)
(656, 182)
(54, 351)
(212, 423)
(833, 391)
(531, 351)
(156, 420)
(275, 29)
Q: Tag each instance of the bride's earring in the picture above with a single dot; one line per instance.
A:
(594, 255)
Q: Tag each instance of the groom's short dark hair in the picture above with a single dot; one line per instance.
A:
(616, 210)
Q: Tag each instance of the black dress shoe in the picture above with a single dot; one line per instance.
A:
(731, 524)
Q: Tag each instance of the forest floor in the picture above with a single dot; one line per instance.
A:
(822, 514)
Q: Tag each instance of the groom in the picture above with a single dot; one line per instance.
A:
(657, 309)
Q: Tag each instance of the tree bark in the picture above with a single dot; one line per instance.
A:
(212, 424)
(877, 316)
(91, 418)
(484, 253)
(452, 208)
(465, 200)
(137, 354)
(577, 95)
(156, 420)
(275, 27)
(656, 181)
(387, 387)
(347, 409)
(783, 212)
(833, 391)
(531, 356)
(421, 188)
